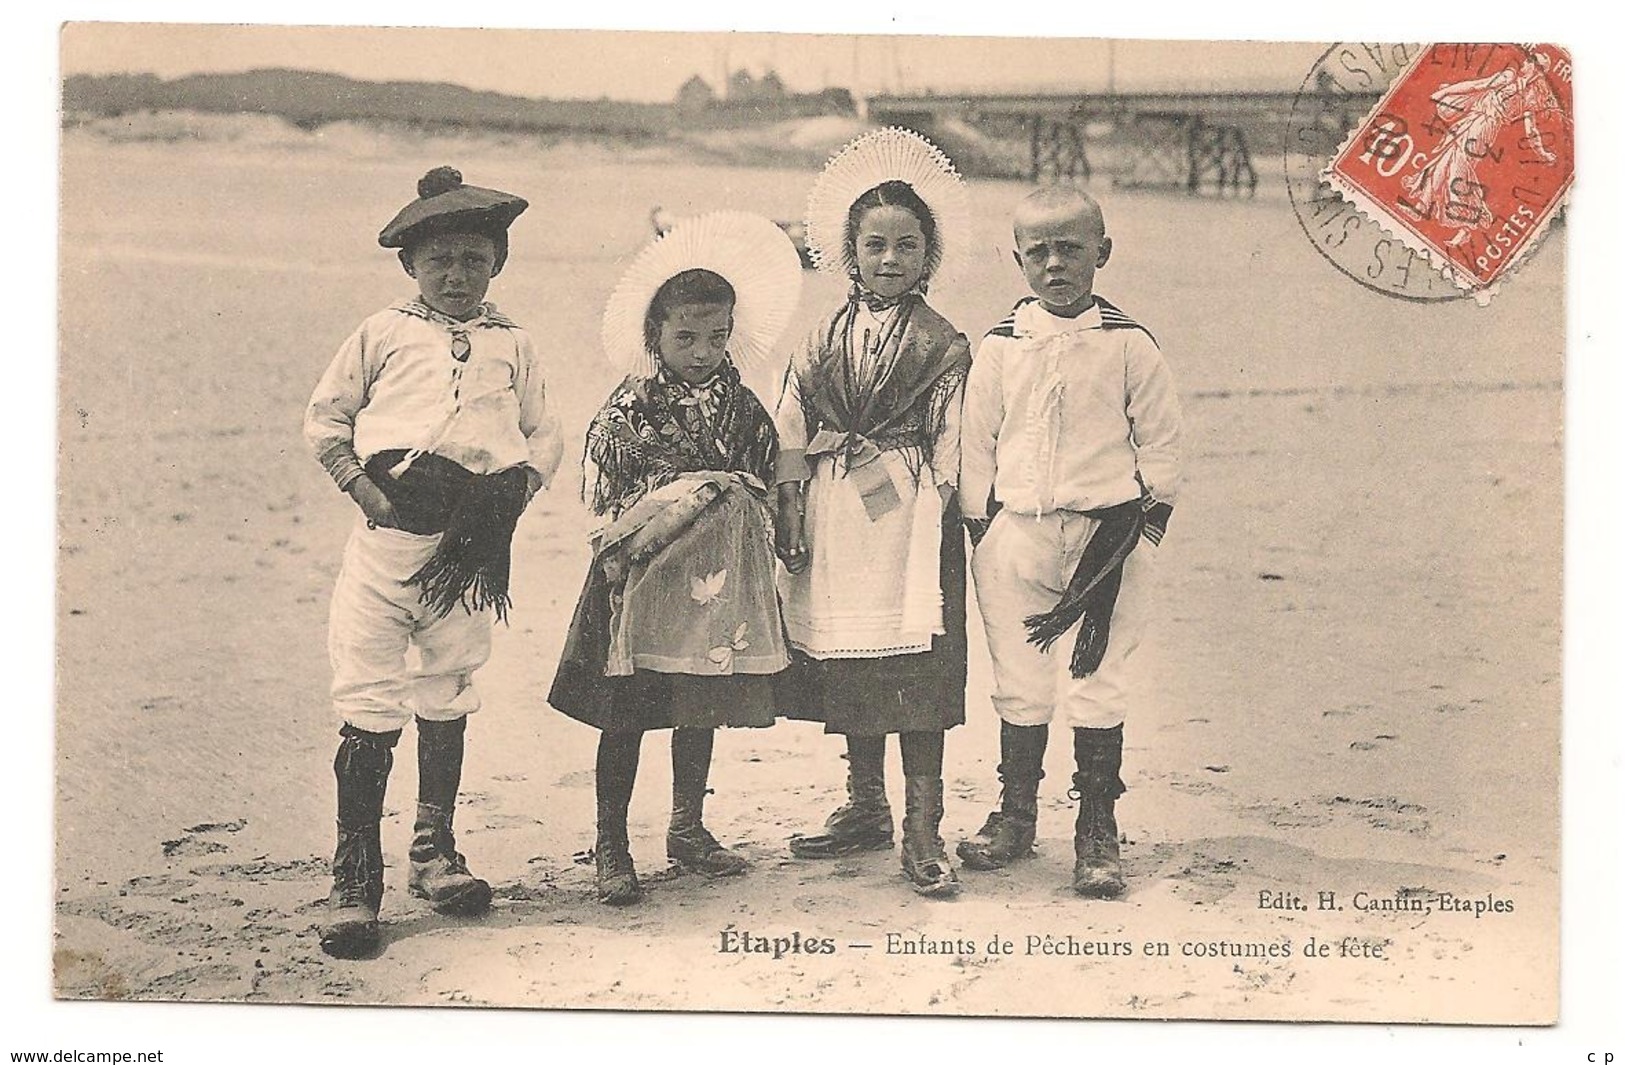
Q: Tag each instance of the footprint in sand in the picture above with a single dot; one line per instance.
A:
(1385, 812)
(155, 886)
(502, 823)
(265, 868)
(187, 847)
(218, 826)
(1288, 816)
(205, 900)
(541, 891)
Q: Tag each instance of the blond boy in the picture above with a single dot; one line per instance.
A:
(1070, 465)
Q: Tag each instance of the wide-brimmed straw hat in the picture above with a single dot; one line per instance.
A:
(889, 154)
(751, 253)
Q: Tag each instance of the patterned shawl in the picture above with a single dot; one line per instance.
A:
(919, 360)
(653, 428)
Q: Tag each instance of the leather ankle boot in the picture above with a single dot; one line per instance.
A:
(1008, 834)
(438, 873)
(864, 821)
(925, 862)
(1097, 872)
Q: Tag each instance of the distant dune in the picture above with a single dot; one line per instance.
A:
(796, 142)
(293, 110)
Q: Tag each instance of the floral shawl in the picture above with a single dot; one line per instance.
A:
(651, 429)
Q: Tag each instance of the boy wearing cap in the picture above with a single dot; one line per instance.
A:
(1071, 437)
(433, 418)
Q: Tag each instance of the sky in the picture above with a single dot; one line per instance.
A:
(650, 66)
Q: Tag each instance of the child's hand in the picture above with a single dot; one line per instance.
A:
(789, 530)
(374, 504)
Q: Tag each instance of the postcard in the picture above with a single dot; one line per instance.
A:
(1079, 521)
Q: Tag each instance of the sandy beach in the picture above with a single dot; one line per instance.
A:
(1354, 687)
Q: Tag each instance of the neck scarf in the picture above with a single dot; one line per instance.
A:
(861, 293)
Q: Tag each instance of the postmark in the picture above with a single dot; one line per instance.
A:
(1338, 91)
(1466, 158)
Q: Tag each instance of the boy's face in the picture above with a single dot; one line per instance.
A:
(694, 339)
(890, 247)
(453, 270)
(1059, 249)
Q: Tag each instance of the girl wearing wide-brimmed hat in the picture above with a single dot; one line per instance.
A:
(679, 626)
(870, 534)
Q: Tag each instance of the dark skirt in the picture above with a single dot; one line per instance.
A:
(921, 692)
(645, 700)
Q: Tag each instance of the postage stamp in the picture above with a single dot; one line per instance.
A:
(1467, 157)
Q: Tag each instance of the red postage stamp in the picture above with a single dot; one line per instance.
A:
(1467, 157)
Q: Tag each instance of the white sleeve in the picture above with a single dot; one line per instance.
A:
(791, 423)
(1154, 417)
(537, 419)
(979, 428)
(339, 397)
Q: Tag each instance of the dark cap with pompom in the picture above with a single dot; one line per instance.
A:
(446, 205)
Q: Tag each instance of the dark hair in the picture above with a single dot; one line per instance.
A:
(688, 287)
(894, 194)
(498, 236)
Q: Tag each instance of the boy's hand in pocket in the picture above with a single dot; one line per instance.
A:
(374, 504)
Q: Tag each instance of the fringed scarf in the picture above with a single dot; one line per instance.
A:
(892, 390)
(1091, 594)
(653, 428)
(475, 515)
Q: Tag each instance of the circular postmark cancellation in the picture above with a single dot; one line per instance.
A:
(1426, 172)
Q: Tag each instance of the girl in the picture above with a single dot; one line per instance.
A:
(874, 596)
(678, 625)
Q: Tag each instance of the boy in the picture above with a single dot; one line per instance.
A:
(1070, 436)
(433, 418)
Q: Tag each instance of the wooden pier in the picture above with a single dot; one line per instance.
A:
(1192, 142)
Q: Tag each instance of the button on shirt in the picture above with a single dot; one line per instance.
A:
(1068, 414)
(397, 383)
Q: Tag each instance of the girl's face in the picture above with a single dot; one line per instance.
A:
(694, 339)
(890, 250)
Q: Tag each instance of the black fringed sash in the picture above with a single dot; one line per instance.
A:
(470, 566)
(1091, 594)
(475, 515)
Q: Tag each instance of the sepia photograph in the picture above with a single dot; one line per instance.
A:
(811, 523)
